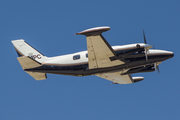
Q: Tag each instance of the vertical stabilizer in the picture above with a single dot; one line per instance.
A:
(24, 49)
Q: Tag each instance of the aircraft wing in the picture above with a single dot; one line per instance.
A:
(116, 77)
(99, 50)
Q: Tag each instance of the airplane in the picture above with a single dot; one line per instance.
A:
(114, 63)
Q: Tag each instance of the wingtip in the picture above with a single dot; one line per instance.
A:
(94, 30)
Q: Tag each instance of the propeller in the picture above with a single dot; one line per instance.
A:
(145, 49)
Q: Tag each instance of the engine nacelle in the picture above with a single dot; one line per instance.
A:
(139, 70)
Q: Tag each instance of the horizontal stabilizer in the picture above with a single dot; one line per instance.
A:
(28, 63)
(37, 76)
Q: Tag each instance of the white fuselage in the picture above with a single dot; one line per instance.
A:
(68, 59)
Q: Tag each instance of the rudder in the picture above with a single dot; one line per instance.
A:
(24, 49)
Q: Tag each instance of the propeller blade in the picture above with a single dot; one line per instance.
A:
(144, 37)
(146, 54)
(156, 67)
(145, 49)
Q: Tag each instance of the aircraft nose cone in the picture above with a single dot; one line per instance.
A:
(170, 54)
(165, 54)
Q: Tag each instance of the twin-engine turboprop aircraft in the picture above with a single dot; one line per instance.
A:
(115, 63)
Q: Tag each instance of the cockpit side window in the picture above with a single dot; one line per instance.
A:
(76, 57)
(86, 55)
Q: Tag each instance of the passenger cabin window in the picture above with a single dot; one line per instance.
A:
(141, 52)
(86, 55)
(76, 57)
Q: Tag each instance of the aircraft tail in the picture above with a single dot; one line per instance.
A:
(29, 58)
(24, 49)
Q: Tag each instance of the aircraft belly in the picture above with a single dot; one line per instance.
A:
(79, 72)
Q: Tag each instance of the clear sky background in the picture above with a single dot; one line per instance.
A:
(50, 25)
